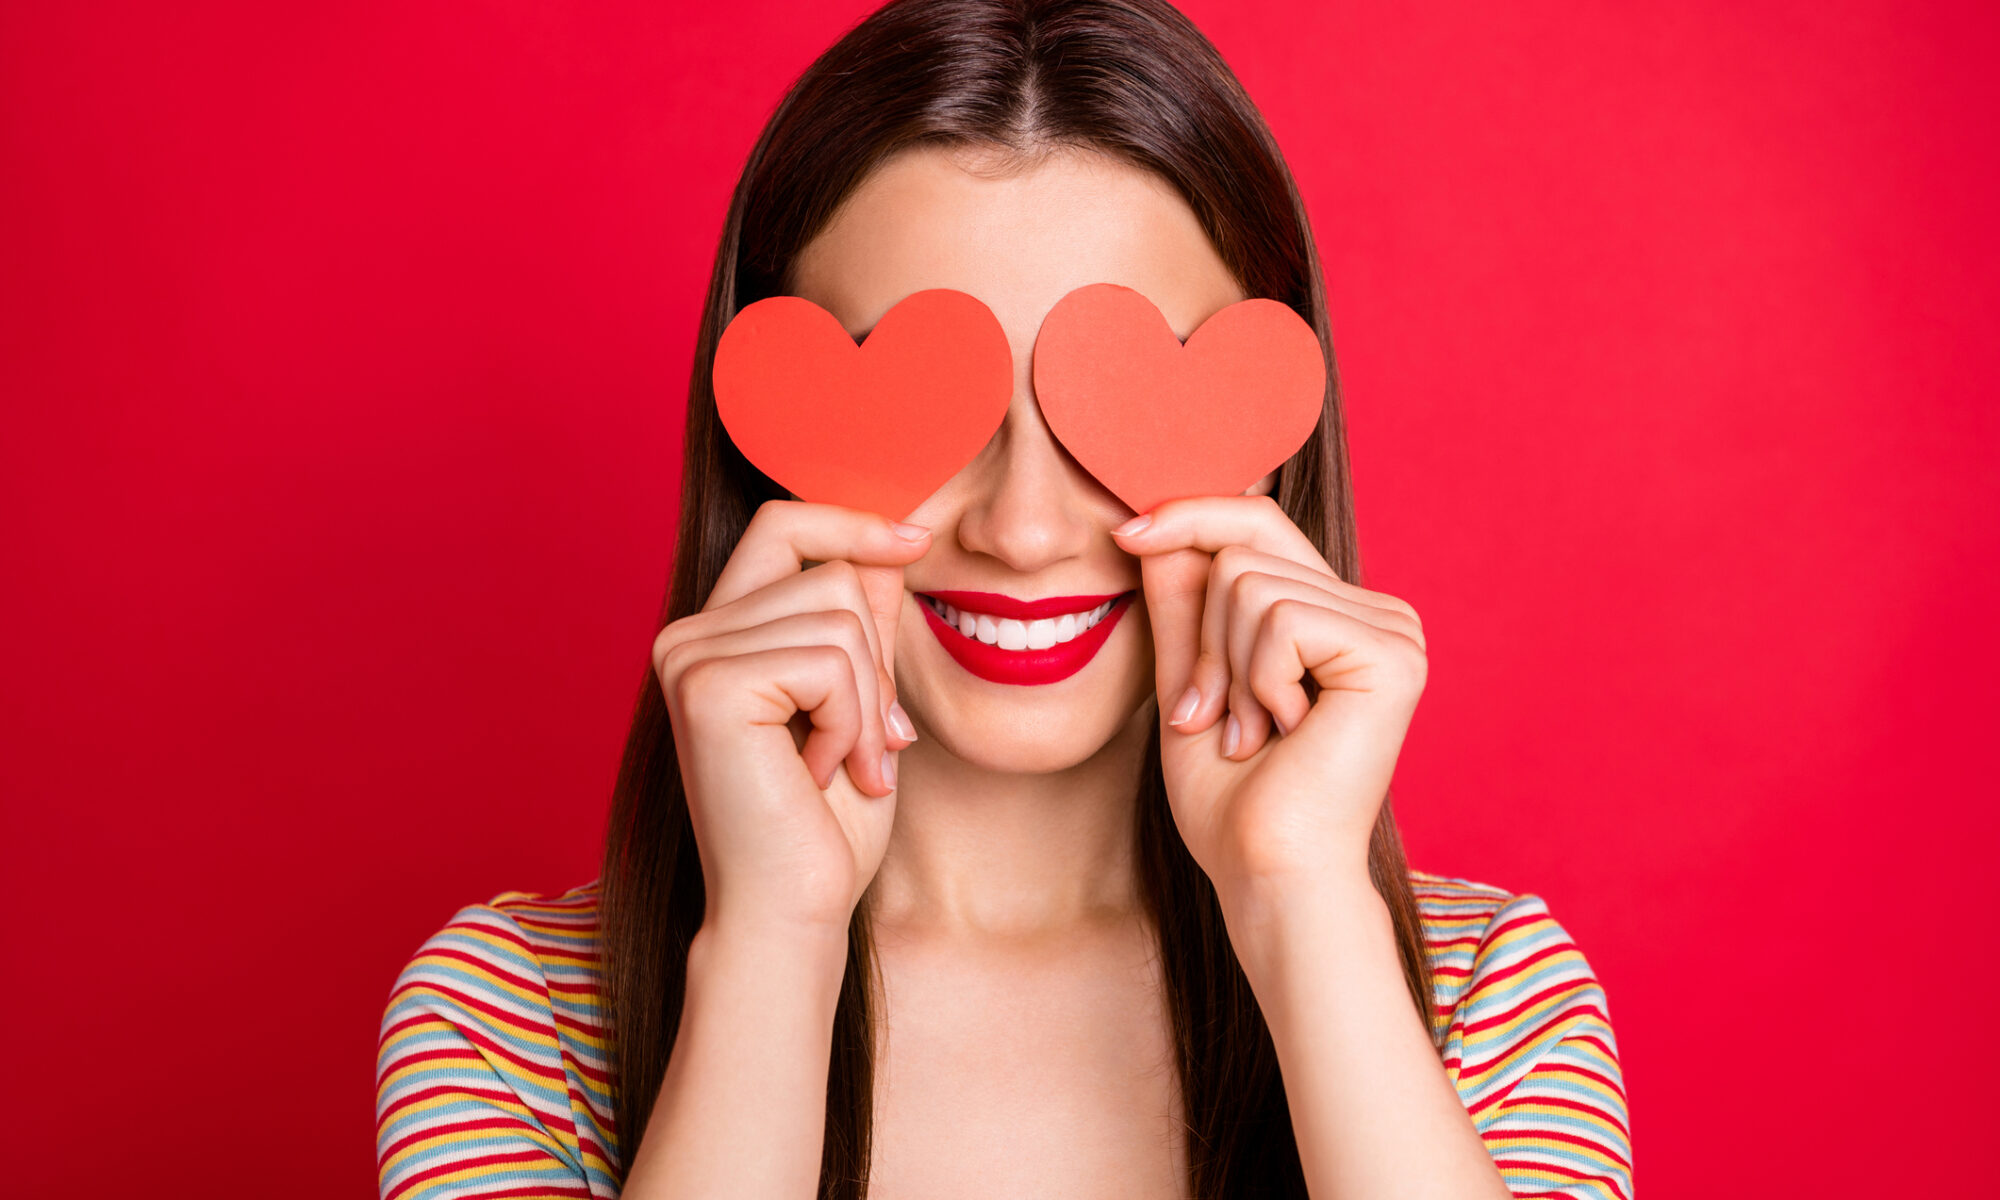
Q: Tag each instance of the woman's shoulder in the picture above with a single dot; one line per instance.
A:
(523, 947)
(497, 1022)
(1491, 946)
(1460, 914)
(1526, 1037)
(1448, 899)
(559, 928)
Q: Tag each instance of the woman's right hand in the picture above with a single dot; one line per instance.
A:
(790, 832)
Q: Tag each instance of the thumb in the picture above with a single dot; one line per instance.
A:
(1175, 584)
(884, 588)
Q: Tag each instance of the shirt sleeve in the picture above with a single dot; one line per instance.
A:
(470, 1095)
(1531, 1051)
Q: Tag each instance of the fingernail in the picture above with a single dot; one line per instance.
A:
(911, 533)
(888, 769)
(1232, 733)
(1189, 701)
(900, 722)
(1134, 525)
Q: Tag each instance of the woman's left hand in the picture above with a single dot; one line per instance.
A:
(1267, 786)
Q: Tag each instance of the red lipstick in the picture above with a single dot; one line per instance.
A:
(1049, 665)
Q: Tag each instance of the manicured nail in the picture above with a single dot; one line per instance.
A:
(1134, 525)
(900, 722)
(911, 533)
(1232, 733)
(1189, 701)
(888, 769)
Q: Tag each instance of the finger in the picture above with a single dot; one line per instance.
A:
(1212, 523)
(1173, 584)
(875, 594)
(784, 535)
(1249, 602)
(1251, 598)
(1175, 543)
(1275, 666)
(841, 629)
(1209, 523)
(1340, 652)
(836, 584)
(882, 591)
(1214, 668)
(766, 687)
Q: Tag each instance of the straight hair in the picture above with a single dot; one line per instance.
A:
(1130, 79)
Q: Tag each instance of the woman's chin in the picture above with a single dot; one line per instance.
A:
(1013, 730)
(1018, 748)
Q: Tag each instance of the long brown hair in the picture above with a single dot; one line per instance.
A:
(1133, 79)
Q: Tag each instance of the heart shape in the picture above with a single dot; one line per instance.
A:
(1156, 420)
(879, 425)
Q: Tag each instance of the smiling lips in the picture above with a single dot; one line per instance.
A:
(1005, 640)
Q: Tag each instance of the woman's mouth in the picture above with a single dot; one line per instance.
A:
(1005, 640)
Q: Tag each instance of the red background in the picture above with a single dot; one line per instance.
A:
(343, 350)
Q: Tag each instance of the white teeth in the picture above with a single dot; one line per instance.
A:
(1010, 634)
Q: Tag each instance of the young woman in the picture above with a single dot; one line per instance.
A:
(873, 922)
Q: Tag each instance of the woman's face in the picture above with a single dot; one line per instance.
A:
(1022, 520)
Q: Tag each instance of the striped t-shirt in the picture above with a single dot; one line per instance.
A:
(492, 1077)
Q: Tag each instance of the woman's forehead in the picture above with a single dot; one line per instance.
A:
(1017, 236)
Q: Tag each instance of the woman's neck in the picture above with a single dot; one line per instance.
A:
(989, 853)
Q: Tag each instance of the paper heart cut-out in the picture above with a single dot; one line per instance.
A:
(879, 425)
(1156, 420)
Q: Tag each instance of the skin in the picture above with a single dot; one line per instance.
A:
(835, 753)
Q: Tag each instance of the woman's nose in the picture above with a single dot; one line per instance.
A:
(1029, 505)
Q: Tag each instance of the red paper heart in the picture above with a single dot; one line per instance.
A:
(1154, 420)
(878, 426)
